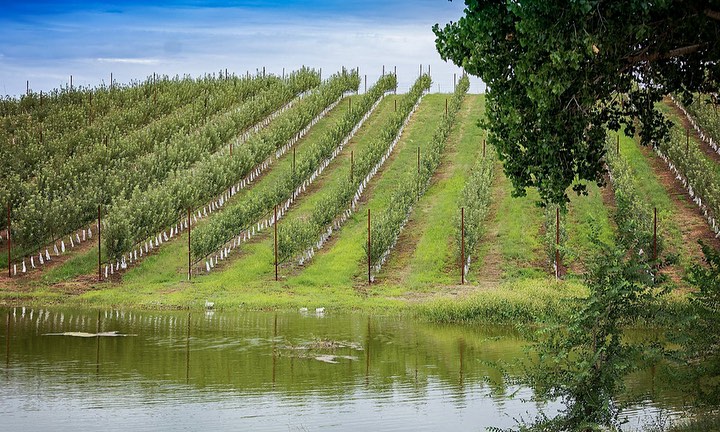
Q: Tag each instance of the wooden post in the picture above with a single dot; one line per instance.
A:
(454, 81)
(483, 147)
(9, 236)
(462, 247)
(395, 73)
(189, 253)
(99, 248)
(418, 173)
(617, 144)
(446, 107)
(349, 105)
(276, 245)
(111, 80)
(369, 250)
(655, 235)
(231, 146)
(396, 105)
(557, 242)
(71, 84)
(293, 165)
(687, 141)
(352, 166)
(365, 83)
(263, 71)
(428, 70)
(27, 88)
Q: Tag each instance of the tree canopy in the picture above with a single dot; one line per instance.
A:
(561, 72)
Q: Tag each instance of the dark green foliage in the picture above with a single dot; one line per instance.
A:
(700, 336)
(583, 363)
(559, 73)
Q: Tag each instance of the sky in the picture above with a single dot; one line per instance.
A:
(46, 41)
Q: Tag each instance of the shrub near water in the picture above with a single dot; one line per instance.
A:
(523, 301)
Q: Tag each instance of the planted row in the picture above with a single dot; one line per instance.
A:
(475, 200)
(31, 140)
(697, 173)
(115, 172)
(246, 212)
(633, 216)
(304, 234)
(386, 228)
(146, 212)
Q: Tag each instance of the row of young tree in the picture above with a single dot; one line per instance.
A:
(60, 200)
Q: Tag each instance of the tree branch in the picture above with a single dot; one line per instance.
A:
(712, 14)
(677, 52)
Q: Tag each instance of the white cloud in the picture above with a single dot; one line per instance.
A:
(138, 61)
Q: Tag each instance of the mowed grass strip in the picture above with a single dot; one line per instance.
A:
(586, 213)
(512, 247)
(341, 263)
(425, 255)
(254, 266)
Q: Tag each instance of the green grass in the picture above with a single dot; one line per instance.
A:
(670, 227)
(342, 263)
(586, 213)
(513, 235)
(430, 262)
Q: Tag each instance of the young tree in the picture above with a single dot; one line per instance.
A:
(559, 72)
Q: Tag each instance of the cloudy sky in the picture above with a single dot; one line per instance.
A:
(46, 41)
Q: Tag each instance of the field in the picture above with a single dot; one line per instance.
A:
(447, 239)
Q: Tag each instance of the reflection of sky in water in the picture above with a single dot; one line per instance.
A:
(261, 371)
(46, 41)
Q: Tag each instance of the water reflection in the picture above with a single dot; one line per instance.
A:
(264, 371)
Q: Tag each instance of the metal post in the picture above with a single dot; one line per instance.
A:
(420, 69)
(276, 245)
(395, 73)
(111, 80)
(557, 242)
(9, 236)
(462, 247)
(263, 71)
(655, 235)
(189, 253)
(365, 83)
(99, 248)
(320, 74)
(71, 85)
(454, 81)
(369, 250)
(27, 87)
(383, 74)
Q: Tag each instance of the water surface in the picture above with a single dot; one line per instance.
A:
(267, 371)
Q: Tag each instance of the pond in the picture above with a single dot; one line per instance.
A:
(268, 371)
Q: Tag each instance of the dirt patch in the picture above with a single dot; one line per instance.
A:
(694, 136)
(687, 216)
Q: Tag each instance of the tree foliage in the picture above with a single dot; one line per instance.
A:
(559, 73)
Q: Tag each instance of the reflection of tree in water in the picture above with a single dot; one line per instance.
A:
(260, 352)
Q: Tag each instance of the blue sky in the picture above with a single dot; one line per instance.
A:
(47, 41)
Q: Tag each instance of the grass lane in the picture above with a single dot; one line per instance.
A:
(341, 262)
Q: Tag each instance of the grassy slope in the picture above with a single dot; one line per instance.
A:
(341, 263)
(428, 259)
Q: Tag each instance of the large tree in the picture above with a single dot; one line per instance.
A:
(559, 72)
